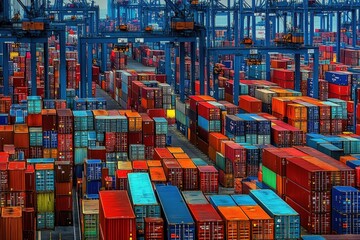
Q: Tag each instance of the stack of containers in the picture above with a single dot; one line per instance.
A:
(297, 116)
(135, 128)
(63, 191)
(65, 123)
(161, 130)
(235, 160)
(308, 191)
(190, 174)
(178, 221)
(148, 137)
(182, 118)
(90, 219)
(34, 121)
(345, 210)
(123, 169)
(45, 189)
(92, 176)
(50, 133)
(287, 220)
(208, 179)
(283, 77)
(100, 126)
(215, 140)
(143, 199)
(16, 186)
(208, 221)
(339, 84)
(235, 128)
(11, 223)
(83, 127)
(116, 216)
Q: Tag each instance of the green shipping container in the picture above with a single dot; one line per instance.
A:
(269, 177)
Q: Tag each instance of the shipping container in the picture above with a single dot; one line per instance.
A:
(287, 220)
(208, 179)
(11, 223)
(262, 225)
(237, 224)
(222, 201)
(173, 172)
(194, 197)
(154, 228)
(243, 200)
(209, 224)
(143, 199)
(116, 216)
(190, 174)
(178, 221)
(157, 175)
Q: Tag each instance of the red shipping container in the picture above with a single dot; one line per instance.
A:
(149, 152)
(28, 217)
(208, 111)
(312, 200)
(250, 104)
(30, 178)
(17, 176)
(308, 175)
(238, 169)
(35, 152)
(65, 142)
(140, 166)
(21, 136)
(314, 223)
(340, 90)
(173, 172)
(190, 174)
(64, 188)
(63, 171)
(209, 224)
(148, 140)
(122, 179)
(156, 113)
(134, 138)
(209, 179)
(154, 228)
(194, 101)
(4, 178)
(121, 142)
(63, 203)
(7, 134)
(275, 160)
(347, 174)
(162, 153)
(66, 156)
(160, 140)
(148, 126)
(34, 120)
(235, 152)
(97, 153)
(65, 121)
(110, 141)
(11, 223)
(116, 216)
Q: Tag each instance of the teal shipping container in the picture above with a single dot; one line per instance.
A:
(287, 221)
(143, 199)
(161, 125)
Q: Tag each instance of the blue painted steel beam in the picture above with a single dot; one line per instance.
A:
(103, 57)
(338, 25)
(168, 71)
(193, 60)
(182, 72)
(354, 28)
(6, 68)
(316, 73)
(62, 79)
(89, 70)
(46, 71)
(33, 91)
(236, 79)
(202, 61)
(297, 72)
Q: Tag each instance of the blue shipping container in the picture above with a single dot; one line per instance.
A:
(178, 221)
(243, 200)
(345, 199)
(221, 201)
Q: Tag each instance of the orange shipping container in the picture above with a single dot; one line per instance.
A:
(237, 224)
(215, 140)
(250, 104)
(157, 175)
(153, 163)
(135, 121)
(344, 159)
(181, 156)
(262, 225)
(190, 174)
(175, 150)
(296, 111)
